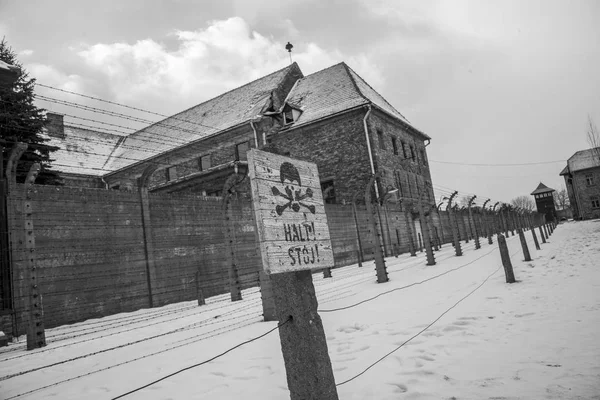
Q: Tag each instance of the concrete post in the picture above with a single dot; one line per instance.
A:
(361, 258)
(473, 226)
(546, 231)
(425, 230)
(305, 355)
(36, 336)
(505, 256)
(229, 228)
(535, 239)
(455, 232)
(266, 294)
(147, 231)
(526, 254)
(542, 234)
(15, 238)
(443, 239)
(381, 231)
(380, 268)
(409, 231)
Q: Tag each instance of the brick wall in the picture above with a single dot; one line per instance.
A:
(402, 171)
(337, 146)
(91, 258)
(89, 250)
(583, 193)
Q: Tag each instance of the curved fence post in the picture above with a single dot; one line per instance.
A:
(36, 336)
(229, 219)
(147, 231)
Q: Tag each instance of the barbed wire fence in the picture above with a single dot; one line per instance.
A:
(80, 253)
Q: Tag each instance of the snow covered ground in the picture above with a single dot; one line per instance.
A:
(536, 339)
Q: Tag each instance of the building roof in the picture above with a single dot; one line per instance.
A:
(333, 90)
(220, 113)
(83, 151)
(583, 159)
(542, 189)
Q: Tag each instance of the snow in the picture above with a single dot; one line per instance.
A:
(535, 339)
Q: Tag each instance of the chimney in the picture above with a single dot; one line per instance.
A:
(56, 125)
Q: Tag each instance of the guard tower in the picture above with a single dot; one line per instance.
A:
(544, 200)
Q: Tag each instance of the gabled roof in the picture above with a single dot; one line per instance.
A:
(83, 151)
(334, 90)
(222, 112)
(583, 159)
(542, 189)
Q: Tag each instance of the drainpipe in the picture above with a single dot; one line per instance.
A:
(369, 147)
(255, 135)
(105, 183)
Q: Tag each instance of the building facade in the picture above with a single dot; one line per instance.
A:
(332, 118)
(582, 179)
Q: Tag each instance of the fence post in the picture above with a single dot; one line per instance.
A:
(147, 231)
(474, 226)
(546, 231)
(408, 220)
(455, 231)
(542, 234)
(535, 239)
(361, 258)
(380, 268)
(36, 336)
(443, 239)
(15, 237)
(425, 231)
(508, 269)
(230, 238)
(524, 245)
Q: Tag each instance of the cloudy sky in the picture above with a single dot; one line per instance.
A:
(492, 82)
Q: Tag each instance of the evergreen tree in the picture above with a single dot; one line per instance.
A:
(22, 121)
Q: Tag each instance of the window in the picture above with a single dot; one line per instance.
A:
(381, 140)
(171, 174)
(204, 162)
(412, 152)
(240, 151)
(423, 160)
(216, 193)
(404, 153)
(328, 190)
(595, 201)
(589, 179)
(288, 116)
(395, 145)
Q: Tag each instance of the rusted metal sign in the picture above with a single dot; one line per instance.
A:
(290, 216)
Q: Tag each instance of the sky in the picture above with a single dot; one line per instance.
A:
(492, 82)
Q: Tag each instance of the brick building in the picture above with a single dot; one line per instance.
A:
(331, 117)
(544, 201)
(582, 178)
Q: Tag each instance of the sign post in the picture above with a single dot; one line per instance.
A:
(294, 240)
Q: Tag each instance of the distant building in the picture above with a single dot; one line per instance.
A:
(582, 178)
(544, 200)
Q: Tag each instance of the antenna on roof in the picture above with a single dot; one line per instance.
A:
(289, 48)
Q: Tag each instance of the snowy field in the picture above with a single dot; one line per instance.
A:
(536, 339)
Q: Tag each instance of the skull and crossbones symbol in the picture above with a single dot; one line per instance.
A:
(288, 173)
